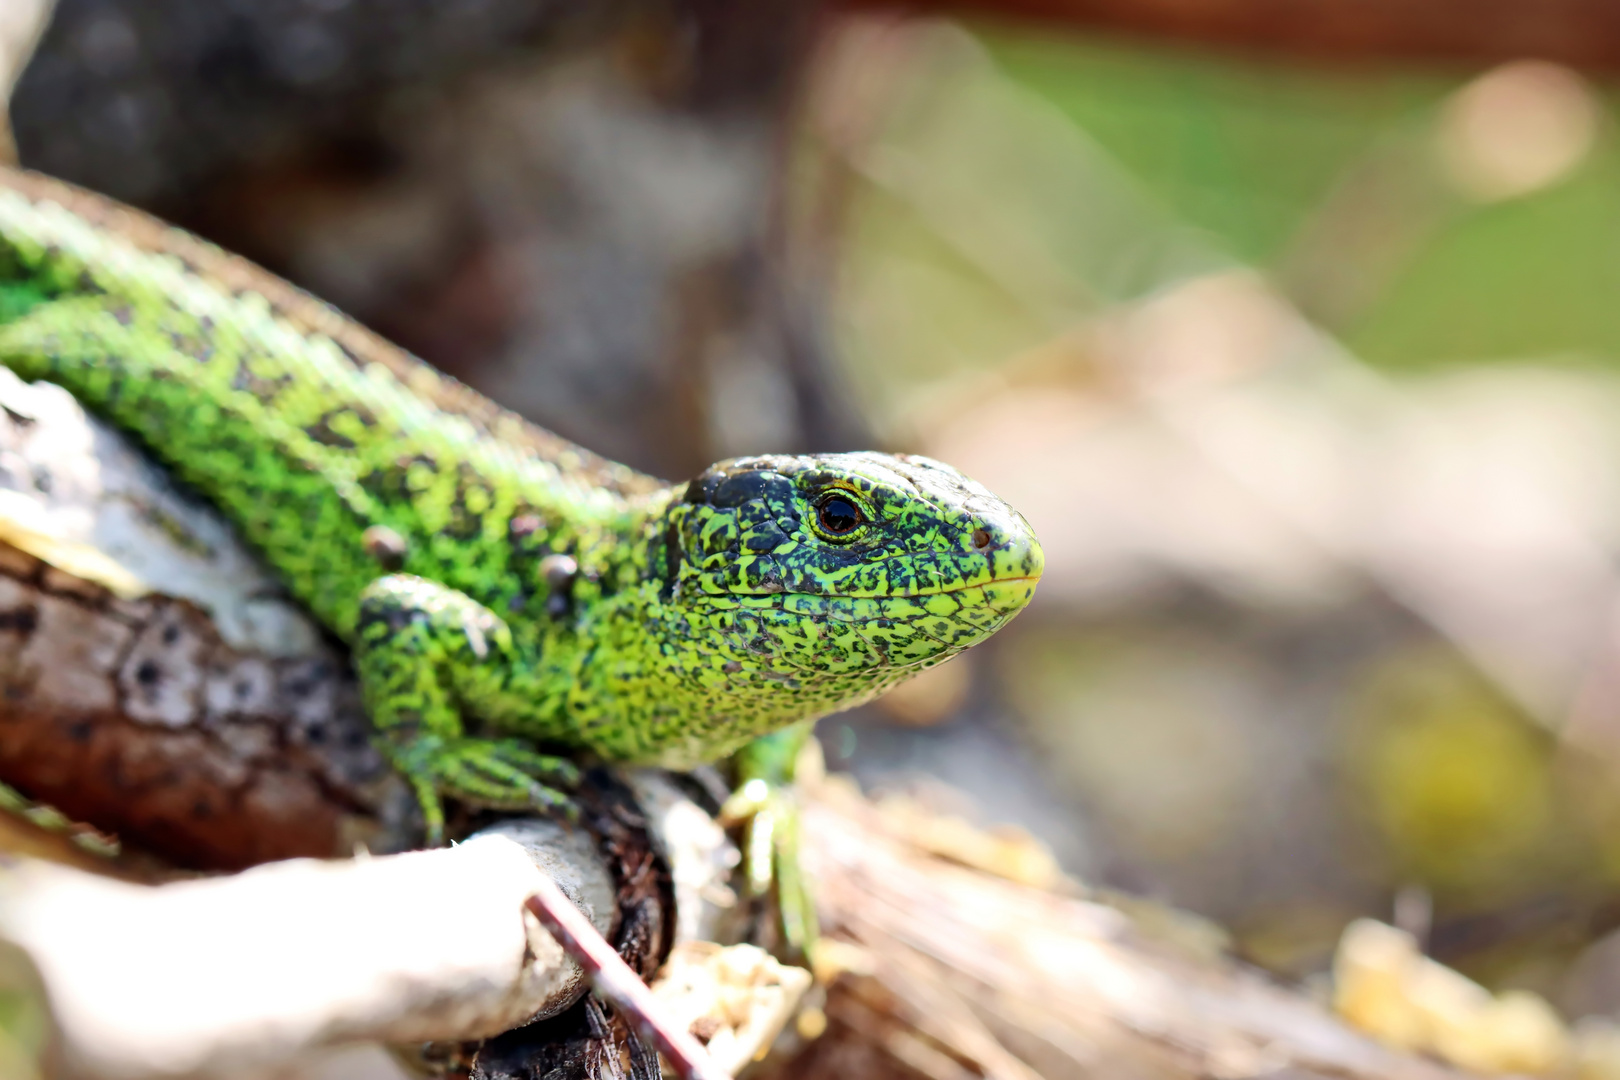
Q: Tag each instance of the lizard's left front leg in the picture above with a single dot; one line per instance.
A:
(428, 656)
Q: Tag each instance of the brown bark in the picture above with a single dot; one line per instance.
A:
(135, 716)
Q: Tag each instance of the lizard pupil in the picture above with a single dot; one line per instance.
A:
(838, 515)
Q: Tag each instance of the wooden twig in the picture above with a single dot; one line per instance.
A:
(614, 981)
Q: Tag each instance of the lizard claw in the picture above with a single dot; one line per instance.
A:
(500, 773)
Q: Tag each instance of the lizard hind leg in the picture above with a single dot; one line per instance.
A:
(429, 656)
(766, 801)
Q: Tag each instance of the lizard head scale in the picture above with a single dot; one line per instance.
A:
(812, 583)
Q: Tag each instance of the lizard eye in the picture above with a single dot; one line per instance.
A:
(838, 515)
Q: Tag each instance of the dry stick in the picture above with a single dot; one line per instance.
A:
(615, 981)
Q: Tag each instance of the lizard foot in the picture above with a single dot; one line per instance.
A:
(503, 774)
(427, 654)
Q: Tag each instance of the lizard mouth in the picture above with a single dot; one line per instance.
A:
(1026, 582)
(1028, 579)
(990, 604)
(956, 617)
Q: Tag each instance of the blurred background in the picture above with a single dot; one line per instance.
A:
(1294, 330)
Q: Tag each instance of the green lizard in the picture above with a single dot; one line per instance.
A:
(504, 592)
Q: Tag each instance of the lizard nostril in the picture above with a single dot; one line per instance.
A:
(981, 539)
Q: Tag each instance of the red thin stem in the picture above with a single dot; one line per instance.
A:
(615, 981)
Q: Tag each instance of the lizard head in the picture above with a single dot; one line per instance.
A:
(828, 578)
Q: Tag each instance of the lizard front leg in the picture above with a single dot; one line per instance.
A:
(428, 657)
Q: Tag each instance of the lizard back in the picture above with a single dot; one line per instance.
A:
(302, 426)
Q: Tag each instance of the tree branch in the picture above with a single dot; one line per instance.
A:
(155, 679)
(245, 970)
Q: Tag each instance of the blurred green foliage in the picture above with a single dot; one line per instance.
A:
(1535, 277)
(1245, 158)
(1243, 151)
(1249, 152)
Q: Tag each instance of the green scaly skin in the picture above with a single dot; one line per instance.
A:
(537, 595)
